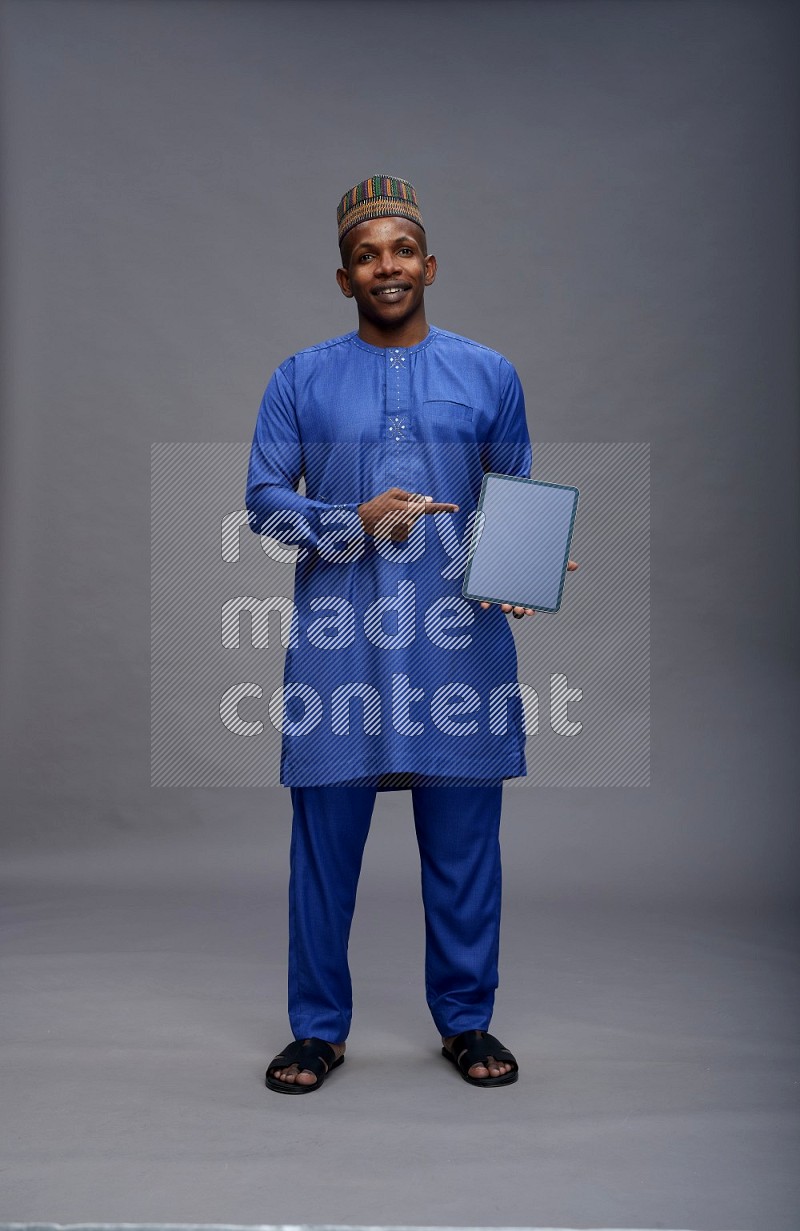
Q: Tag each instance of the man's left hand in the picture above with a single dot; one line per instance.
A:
(519, 612)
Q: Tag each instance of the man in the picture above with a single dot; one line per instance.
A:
(393, 427)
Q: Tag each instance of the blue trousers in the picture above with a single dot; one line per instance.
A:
(457, 830)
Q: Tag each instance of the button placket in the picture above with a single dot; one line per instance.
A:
(397, 417)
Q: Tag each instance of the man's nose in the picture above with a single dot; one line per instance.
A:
(387, 263)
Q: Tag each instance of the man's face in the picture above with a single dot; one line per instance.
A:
(386, 269)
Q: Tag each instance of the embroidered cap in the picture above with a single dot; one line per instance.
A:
(381, 196)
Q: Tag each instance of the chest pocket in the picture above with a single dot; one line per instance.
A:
(455, 412)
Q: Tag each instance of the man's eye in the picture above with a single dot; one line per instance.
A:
(408, 250)
(365, 256)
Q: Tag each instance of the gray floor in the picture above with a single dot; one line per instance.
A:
(144, 991)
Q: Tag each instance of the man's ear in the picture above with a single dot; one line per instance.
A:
(430, 269)
(343, 278)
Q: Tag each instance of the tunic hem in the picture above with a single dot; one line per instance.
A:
(481, 771)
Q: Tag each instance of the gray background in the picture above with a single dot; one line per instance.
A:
(611, 192)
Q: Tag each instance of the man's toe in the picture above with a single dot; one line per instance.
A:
(292, 1076)
(492, 1068)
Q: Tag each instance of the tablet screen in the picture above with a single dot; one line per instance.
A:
(520, 549)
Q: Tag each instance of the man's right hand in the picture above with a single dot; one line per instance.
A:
(392, 514)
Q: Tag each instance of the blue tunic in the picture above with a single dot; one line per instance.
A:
(389, 669)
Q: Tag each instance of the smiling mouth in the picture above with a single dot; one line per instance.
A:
(390, 292)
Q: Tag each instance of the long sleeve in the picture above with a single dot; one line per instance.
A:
(507, 449)
(273, 502)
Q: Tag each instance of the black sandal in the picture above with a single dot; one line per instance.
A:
(475, 1047)
(313, 1054)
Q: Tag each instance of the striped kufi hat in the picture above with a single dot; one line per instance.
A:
(381, 196)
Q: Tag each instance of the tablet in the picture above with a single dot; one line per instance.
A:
(520, 545)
